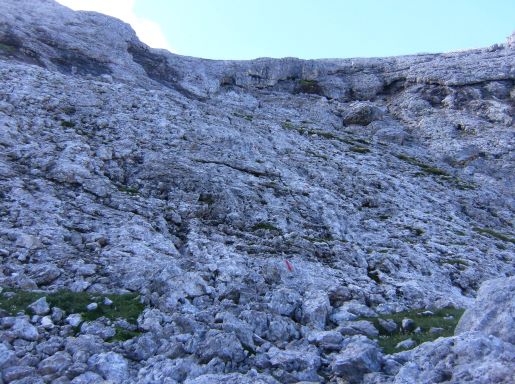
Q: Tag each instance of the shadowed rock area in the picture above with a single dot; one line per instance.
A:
(168, 219)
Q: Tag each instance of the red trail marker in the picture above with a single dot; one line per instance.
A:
(289, 266)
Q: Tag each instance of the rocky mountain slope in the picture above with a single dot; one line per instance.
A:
(265, 214)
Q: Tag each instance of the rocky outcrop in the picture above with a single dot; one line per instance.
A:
(493, 314)
(482, 350)
(254, 216)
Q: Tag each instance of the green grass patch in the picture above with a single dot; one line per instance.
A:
(242, 116)
(124, 306)
(454, 262)
(129, 190)
(359, 149)
(266, 227)
(287, 125)
(428, 169)
(7, 48)
(124, 334)
(439, 319)
(491, 233)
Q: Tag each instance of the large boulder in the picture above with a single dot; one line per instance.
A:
(358, 357)
(111, 366)
(467, 358)
(493, 313)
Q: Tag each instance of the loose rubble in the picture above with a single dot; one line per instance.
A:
(166, 219)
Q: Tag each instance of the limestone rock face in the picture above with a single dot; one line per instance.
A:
(493, 313)
(263, 212)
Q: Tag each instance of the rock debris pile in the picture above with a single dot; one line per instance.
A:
(168, 219)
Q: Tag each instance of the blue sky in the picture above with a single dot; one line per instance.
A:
(245, 29)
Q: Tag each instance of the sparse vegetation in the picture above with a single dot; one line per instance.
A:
(124, 306)
(491, 233)
(446, 318)
(129, 190)
(243, 116)
(457, 262)
(359, 149)
(67, 124)
(266, 226)
(308, 86)
(428, 169)
(206, 198)
(7, 48)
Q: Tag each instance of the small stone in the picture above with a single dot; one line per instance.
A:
(426, 313)
(406, 344)
(91, 306)
(74, 319)
(112, 366)
(108, 301)
(98, 329)
(25, 330)
(57, 314)
(86, 269)
(7, 357)
(39, 307)
(47, 323)
(408, 325)
(55, 364)
(388, 325)
(17, 372)
(436, 330)
(358, 357)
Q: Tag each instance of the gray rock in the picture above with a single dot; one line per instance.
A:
(17, 372)
(284, 301)
(97, 328)
(294, 365)
(362, 327)
(74, 319)
(86, 269)
(233, 378)
(39, 307)
(315, 309)
(84, 344)
(406, 344)
(111, 366)
(91, 306)
(408, 325)
(436, 330)
(388, 325)
(46, 322)
(57, 314)
(190, 181)
(87, 378)
(108, 301)
(55, 364)
(141, 348)
(361, 113)
(327, 340)
(50, 346)
(163, 370)
(7, 357)
(44, 274)
(359, 356)
(224, 346)
(475, 358)
(25, 330)
(493, 312)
